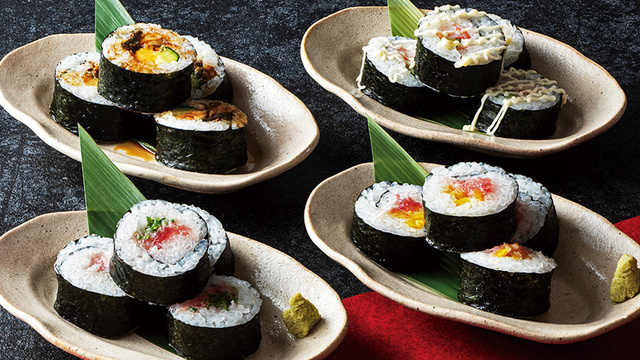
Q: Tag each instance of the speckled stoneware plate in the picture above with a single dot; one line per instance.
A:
(28, 289)
(588, 251)
(281, 131)
(331, 52)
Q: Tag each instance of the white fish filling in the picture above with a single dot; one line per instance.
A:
(375, 204)
(85, 264)
(438, 198)
(80, 63)
(537, 264)
(393, 57)
(174, 257)
(532, 208)
(239, 312)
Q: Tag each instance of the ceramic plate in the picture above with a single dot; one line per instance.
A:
(281, 132)
(596, 100)
(588, 251)
(28, 289)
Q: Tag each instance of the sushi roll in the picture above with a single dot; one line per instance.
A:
(516, 55)
(222, 322)
(220, 253)
(87, 296)
(209, 78)
(388, 227)
(538, 224)
(161, 252)
(508, 279)
(76, 101)
(469, 207)
(146, 68)
(459, 51)
(207, 136)
(522, 105)
(386, 75)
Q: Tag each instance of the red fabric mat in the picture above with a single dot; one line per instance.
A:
(380, 329)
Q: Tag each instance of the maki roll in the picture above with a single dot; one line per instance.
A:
(386, 75)
(459, 51)
(222, 322)
(87, 296)
(220, 254)
(538, 224)
(161, 252)
(516, 55)
(207, 136)
(469, 207)
(76, 101)
(522, 105)
(146, 68)
(209, 78)
(388, 227)
(508, 279)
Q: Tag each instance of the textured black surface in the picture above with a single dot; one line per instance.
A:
(265, 34)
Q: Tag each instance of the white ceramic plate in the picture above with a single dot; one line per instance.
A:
(281, 132)
(588, 251)
(28, 288)
(331, 52)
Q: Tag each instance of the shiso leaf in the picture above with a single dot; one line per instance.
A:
(109, 15)
(403, 17)
(108, 192)
(390, 161)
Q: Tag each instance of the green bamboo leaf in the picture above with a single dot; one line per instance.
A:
(403, 17)
(390, 161)
(108, 192)
(454, 119)
(109, 15)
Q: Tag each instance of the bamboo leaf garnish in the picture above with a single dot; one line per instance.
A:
(108, 192)
(403, 17)
(109, 15)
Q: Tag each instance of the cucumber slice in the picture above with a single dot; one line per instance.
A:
(168, 55)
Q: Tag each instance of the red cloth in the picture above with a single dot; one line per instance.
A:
(380, 329)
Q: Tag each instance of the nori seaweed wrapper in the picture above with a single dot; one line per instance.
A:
(143, 92)
(441, 74)
(520, 124)
(226, 262)
(523, 61)
(201, 151)
(394, 252)
(160, 290)
(224, 91)
(102, 315)
(203, 343)
(105, 123)
(546, 240)
(504, 293)
(469, 233)
(406, 99)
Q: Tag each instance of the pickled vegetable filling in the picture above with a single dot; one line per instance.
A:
(409, 209)
(513, 251)
(85, 74)
(220, 296)
(166, 240)
(463, 191)
(211, 110)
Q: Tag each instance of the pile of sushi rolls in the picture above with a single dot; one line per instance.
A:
(208, 136)
(221, 322)
(220, 254)
(76, 100)
(209, 78)
(522, 105)
(516, 55)
(508, 279)
(87, 296)
(538, 224)
(386, 75)
(388, 227)
(161, 252)
(459, 51)
(469, 206)
(146, 68)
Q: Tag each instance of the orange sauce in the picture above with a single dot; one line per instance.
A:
(132, 148)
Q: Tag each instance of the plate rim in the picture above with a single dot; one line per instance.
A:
(181, 179)
(475, 142)
(78, 350)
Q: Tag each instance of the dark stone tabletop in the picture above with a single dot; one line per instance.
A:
(600, 174)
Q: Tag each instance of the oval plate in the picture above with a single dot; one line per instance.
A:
(587, 254)
(334, 60)
(28, 289)
(281, 132)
